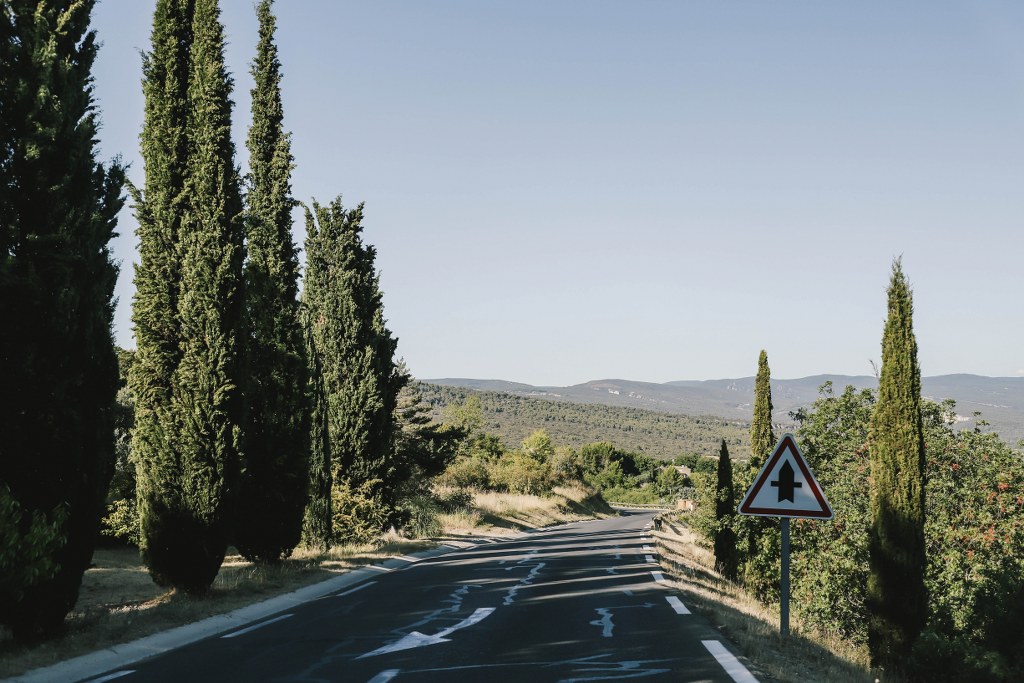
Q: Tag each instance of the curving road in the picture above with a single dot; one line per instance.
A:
(580, 602)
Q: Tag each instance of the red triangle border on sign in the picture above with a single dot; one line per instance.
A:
(787, 442)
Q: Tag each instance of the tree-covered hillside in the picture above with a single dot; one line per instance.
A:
(659, 435)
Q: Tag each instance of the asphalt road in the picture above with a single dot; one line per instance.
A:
(581, 602)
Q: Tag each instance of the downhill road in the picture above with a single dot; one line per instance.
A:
(580, 602)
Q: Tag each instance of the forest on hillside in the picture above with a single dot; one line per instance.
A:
(658, 435)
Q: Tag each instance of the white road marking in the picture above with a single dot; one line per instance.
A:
(732, 666)
(110, 677)
(385, 676)
(648, 549)
(605, 622)
(677, 604)
(417, 639)
(357, 588)
(611, 570)
(650, 560)
(659, 577)
(260, 625)
(510, 594)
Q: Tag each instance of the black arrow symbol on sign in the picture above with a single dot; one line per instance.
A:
(785, 483)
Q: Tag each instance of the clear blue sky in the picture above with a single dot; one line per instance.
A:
(570, 190)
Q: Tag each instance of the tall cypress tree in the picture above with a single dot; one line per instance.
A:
(58, 210)
(897, 598)
(759, 543)
(187, 375)
(275, 471)
(726, 560)
(762, 435)
(353, 349)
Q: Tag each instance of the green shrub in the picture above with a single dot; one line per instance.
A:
(466, 471)
(359, 514)
(521, 473)
(27, 547)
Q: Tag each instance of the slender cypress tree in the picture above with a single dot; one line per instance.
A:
(353, 349)
(275, 467)
(762, 435)
(760, 545)
(726, 560)
(187, 375)
(58, 210)
(897, 597)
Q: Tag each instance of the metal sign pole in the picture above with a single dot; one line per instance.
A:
(784, 582)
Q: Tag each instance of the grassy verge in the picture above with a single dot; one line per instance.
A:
(119, 603)
(495, 514)
(801, 658)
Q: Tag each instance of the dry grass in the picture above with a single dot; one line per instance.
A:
(803, 657)
(118, 601)
(507, 513)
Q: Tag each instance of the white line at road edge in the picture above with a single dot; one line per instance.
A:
(732, 666)
(259, 625)
(357, 588)
(385, 676)
(659, 577)
(110, 677)
(677, 604)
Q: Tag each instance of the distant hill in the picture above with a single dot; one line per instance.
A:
(1000, 400)
(513, 417)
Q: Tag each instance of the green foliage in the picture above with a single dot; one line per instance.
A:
(122, 519)
(29, 542)
(519, 473)
(974, 535)
(274, 484)
(975, 547)
(897, 599)
(726, 556)
(468, 472)
(760, 547)
(353, 350)
(359, 511)
(830, 558)
(762, 435)
(188, 305)
(58, 212)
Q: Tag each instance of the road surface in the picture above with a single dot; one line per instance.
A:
(580, 602)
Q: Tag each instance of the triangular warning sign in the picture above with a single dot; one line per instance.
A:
(786, 487)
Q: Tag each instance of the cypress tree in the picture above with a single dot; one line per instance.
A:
(726, 560)
(188, 305)
(275, 468)
(354, 351)
(762, 549)
(897, 598)
(58, 211)
(762, 435)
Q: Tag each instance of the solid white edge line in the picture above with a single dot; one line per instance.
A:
(110, 677)
(658, 576)
(732, 666)
(384, 676)
(648, 559)
(357, 588)
(256, 626)
(677, 604)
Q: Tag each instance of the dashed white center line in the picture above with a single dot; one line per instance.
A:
(385, 676)
(649, 559)
(732, 666)
(677, 604)
(260, 625)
